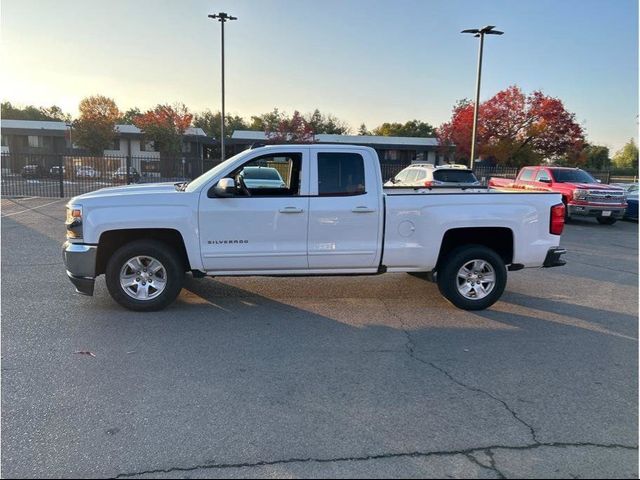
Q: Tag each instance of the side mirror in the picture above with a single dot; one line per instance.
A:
(226, 187)
(598, 180)
(545, 180)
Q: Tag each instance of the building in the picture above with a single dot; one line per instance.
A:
(49, 140)
(391, 150)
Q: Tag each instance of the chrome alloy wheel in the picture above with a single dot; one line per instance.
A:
(476, 279)
(143, 277)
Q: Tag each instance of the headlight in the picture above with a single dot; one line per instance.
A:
(74, 221)
(579, 194)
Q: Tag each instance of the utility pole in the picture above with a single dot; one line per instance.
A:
(488, 30)
(222, 18)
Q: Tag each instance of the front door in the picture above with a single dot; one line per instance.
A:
(264, 225)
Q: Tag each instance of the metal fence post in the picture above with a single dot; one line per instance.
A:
(61, 174)
(128, 169)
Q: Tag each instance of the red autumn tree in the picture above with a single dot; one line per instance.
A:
(165, 125)
(515, 129)
(291, 130)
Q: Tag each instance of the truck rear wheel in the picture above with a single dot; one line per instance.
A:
(144, 275)
(472, 277)
(606, 220)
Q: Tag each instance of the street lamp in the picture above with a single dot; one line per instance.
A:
(488, 30)
(222, 18)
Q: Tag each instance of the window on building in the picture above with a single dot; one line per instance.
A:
(34, 141)
(186, 147)
(4, 141)
(147, 146)
(340, 174)
(115, 145)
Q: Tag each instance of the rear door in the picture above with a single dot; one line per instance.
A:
(345, 210)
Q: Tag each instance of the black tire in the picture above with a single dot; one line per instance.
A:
(448, 276)
(567, 218)
(606, 220)
(169, 259)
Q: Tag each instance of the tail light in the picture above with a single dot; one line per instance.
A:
(428, 183)
(556, 224)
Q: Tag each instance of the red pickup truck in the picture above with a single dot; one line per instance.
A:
(582, 194)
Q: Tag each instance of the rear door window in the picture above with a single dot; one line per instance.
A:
(340, 174)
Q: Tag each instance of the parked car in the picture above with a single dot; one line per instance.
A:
(427, 175)
(86, 171)
(120, 175)
(334, 218)
(262, 177)
(582, 194)
(32, 171)
(55, 171)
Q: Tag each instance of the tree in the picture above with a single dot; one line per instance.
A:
(412, 128)
(363, 130)
(165, 125)
(52, 113)
(291, 130)
(597, 157)
(267, 121)
(515, 129)
(210, 123)
(95, 129)
(627, 156)
(328, 124)
(129, 116)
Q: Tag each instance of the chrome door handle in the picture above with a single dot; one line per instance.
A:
(363, 209)
(291, 210)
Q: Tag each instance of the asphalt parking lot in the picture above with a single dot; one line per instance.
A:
(333, 377)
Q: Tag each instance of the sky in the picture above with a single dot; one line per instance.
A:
(362, 61)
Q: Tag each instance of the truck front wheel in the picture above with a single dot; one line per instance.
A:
(472, 277)
(144, 275)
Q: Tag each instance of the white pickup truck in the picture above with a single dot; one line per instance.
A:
(329, 216)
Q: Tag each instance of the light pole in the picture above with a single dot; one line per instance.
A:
(488, 30)
(222, 18)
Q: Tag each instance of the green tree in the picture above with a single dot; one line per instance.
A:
(210, 123)
(328, 124)
(627, 156)
(363, 130)
(52, 113)
(412, 128)
(597, 157)
(267, 121)
(95, 129)
(129, 116)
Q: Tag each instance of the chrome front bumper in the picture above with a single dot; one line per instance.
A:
(595, 210)
(80, 263)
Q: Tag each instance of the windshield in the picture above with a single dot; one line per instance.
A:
(195, 184)
(572, 176)
(261, 173)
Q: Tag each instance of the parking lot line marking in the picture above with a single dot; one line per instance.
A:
(32, 208)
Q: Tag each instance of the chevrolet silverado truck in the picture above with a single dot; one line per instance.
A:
(330, 216)
(582, 194)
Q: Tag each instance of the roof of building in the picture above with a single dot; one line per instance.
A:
(256, 136)
(32, 125)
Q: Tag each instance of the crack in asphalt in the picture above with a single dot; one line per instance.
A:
(467, 452)
(492, 463)
(410, 349)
